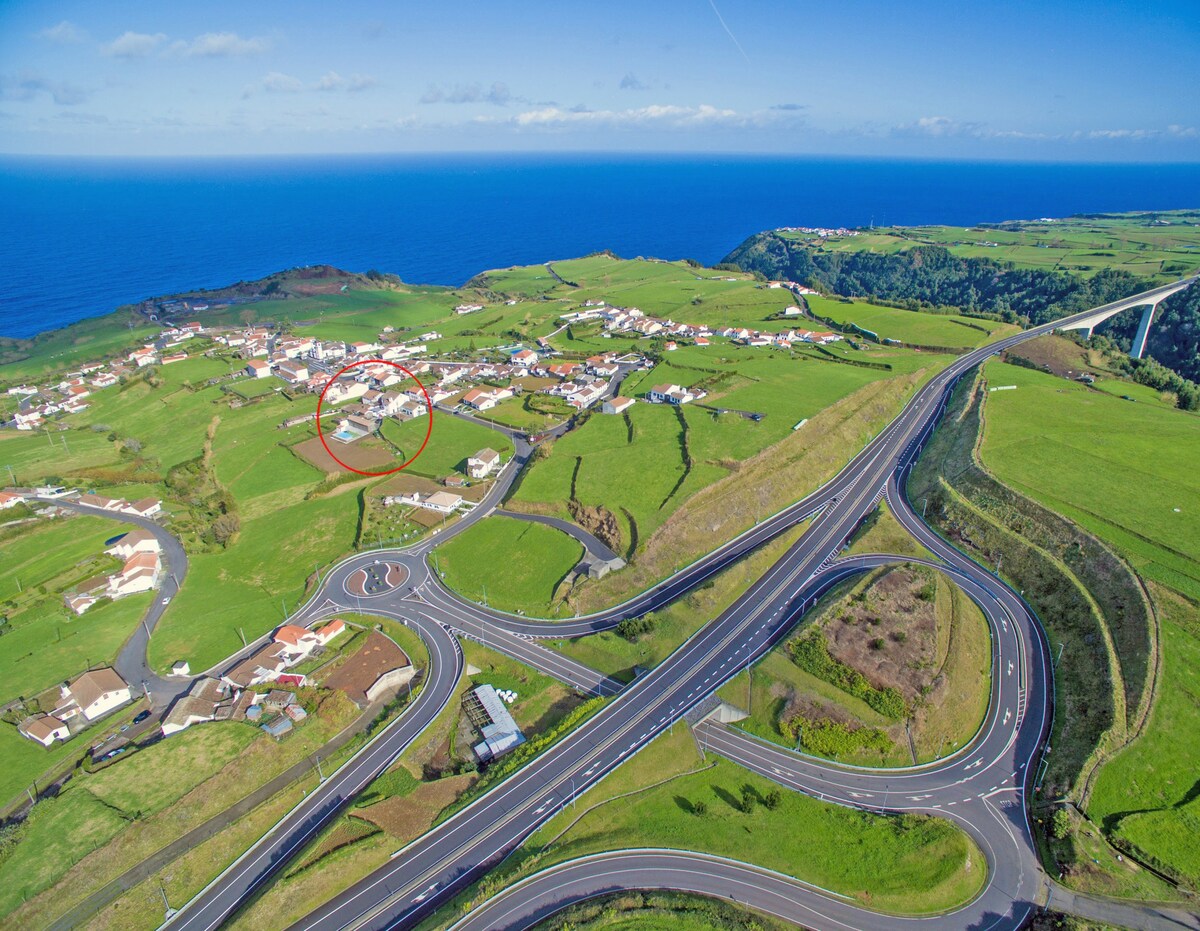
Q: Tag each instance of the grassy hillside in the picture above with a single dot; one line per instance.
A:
(1125, 471)
(1161, 245)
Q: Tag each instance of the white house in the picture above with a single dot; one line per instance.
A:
(93, 694)
(44, 728)
(139, 574)
(673, 394)
(483, 463)
(138, 540)
(617, 405)
(257, 368)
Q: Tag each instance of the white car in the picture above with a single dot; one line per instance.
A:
(166, 601)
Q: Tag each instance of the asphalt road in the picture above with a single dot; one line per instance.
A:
(463, 847)
(131, 663)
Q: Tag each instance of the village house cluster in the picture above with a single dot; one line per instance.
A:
(822, 232)
(69, 396)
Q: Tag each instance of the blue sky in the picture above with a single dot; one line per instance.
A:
(1062, 81)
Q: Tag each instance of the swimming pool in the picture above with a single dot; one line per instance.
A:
(345, 436)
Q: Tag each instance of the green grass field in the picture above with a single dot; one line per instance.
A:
(283, 536)
(1163, 245)
(1146, 794)
(94, 809)
(908, 326)
(1125, 471)
(642, 480)
(510, 564)
(1121, 470)
(450, 443)
(45, 642)
(635, 911)
(58, 350)
(909, 864)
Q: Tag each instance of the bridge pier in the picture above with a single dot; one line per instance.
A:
(1143, 331)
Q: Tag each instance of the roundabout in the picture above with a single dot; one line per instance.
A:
(375, 579)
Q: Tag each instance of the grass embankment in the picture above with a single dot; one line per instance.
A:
(510, 564)
(1124, 471)
(637, 911)
(759, 486)
(880, 532)
(1089, 601)
(667, 796)
(1139, 460)
(891, 670)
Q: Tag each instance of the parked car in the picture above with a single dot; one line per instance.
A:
(141, 716)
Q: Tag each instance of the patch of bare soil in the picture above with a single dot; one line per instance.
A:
(888, 632)
(409, 816)
(367, 455)
(1055, 354)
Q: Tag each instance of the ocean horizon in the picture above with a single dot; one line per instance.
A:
(80, 237)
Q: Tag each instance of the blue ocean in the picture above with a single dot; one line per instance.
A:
(80, 237)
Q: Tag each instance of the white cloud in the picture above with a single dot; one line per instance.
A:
(219, 45)
(1173, 131)
(276, 82)
(656, 115)
(332, 81)
(65, 33)
(134, 45)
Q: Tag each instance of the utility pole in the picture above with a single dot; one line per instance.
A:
(319, 771)
(12, 478)
(243, 636)
(924, 505)
(170, 912)
(1062, 643)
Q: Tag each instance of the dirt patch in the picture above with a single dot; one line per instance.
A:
(1056, 354)
(368, 455)
(410, 816)
(599, 521)
(888, 631)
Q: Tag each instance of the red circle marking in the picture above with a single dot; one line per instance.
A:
(428, 408)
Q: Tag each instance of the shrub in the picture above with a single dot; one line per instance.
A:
(1060, 824)
(811, 653)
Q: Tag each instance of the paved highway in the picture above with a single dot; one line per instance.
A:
(466, 845)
